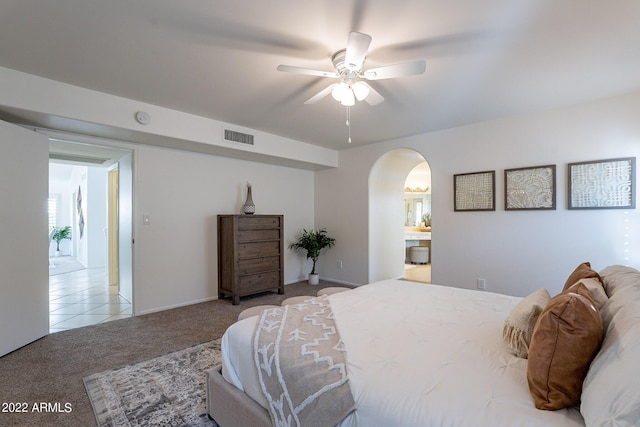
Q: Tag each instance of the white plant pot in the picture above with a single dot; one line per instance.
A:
(314, 279)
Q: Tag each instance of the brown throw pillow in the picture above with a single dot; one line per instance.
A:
(565, 340)
(583, 271)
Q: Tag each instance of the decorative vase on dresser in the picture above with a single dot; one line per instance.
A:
(249, 207)
(250, 255)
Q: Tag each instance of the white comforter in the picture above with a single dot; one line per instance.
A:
(419, 355)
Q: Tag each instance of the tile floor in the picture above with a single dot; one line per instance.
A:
(418, 273)
(83, 298)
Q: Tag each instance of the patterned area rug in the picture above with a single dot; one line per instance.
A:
(169, 390)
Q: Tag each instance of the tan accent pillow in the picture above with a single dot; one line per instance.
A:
(583, 271)
(565, 340)
(596, 289)
(518, 327)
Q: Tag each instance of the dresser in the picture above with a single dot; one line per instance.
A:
(250, 255)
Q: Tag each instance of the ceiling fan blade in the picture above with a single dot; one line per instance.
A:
(374, 97)
(397, 70)
(318, 96)
(357, 47)
(307, 71)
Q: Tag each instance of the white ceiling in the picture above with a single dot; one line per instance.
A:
(485, 59)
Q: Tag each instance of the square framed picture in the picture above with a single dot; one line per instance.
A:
(530, 188)
(603, 184)
(474, 191)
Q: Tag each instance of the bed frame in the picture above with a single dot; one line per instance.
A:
(230, 407)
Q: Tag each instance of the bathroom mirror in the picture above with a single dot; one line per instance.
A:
(415, 205)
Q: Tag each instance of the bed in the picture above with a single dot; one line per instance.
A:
(430, 355)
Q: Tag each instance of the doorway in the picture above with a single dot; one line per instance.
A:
(112, 228)
(86, 182)
(417, 224)
(387, 232)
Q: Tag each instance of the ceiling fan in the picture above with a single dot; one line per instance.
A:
(348, 64)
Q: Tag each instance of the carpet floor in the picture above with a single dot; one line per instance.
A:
(43, 380)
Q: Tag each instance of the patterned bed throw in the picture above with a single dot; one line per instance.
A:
(302, 366)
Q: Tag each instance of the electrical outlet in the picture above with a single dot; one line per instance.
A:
(339, 265)
(482, 284)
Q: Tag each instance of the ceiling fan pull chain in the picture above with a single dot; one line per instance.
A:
(349, 123)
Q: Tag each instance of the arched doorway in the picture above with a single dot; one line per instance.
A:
(417, 224)
(387, 245)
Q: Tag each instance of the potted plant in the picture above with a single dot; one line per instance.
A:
(313, 242)
(59, 235)
(426, 219)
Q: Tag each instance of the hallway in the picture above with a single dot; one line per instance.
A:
(83, 298)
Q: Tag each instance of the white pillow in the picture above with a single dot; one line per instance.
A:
(596, 290)
(610, 392)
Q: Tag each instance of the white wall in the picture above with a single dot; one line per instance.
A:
(91, 249)
(182, 190)
(95, 212)
(175, 257)
(516, 252)
(100, 114)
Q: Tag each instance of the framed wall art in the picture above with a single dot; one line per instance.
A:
(603, 184)
(474, 191)
(80, 215)
(530, 188)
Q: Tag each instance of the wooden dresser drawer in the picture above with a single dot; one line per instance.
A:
(258, 249)
(259, 282)
(257, 235)
(257, 265)
(258, 223)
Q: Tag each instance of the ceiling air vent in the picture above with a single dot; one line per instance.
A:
(77, 158)
(243, 138)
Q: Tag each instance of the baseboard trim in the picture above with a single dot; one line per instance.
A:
(182, 304)
(341, 282)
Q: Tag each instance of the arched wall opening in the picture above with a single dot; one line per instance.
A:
(386, 212)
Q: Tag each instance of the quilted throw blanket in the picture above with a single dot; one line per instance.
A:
(301, 365)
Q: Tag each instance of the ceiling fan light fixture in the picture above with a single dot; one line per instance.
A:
(348, 99)
(360, 90)
(349, 69)
(340, 91)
